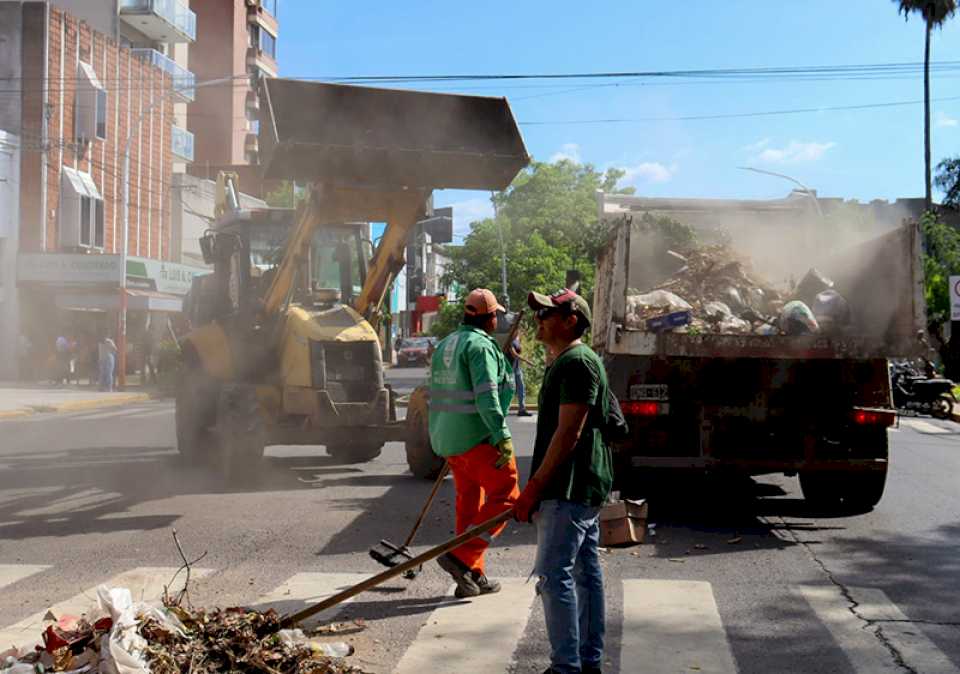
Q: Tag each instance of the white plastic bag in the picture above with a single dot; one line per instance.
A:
(121, 651)
(331, 649)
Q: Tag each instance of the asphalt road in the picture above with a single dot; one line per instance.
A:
(738, 580)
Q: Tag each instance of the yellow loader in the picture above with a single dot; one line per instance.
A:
(284, 347)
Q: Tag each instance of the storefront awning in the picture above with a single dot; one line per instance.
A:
(137, 300)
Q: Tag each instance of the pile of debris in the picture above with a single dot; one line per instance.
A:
(715, 292)
(140, 638)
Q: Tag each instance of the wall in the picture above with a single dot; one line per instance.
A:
(9, 215)
(132, 87)
(100, 14)
(218, 111)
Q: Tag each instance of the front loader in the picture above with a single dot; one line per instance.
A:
(284, 347)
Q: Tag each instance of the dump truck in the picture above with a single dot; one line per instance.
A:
(284, 346)
(701, 400)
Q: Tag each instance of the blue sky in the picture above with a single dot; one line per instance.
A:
(861, 154)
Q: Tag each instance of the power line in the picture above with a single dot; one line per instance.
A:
(736, 115)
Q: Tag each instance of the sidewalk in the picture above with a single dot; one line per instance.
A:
(20, 400)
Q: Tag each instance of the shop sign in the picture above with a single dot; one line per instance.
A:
(165, 277)
(68, 268)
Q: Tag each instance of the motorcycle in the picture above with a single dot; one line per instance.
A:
(918, 392)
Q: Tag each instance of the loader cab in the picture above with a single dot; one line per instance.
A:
(339, 255)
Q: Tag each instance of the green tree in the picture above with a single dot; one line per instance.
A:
(948, 180)
(549, 221)
(940, 261)
(935, 13)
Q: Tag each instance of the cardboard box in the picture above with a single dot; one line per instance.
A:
(623, 523)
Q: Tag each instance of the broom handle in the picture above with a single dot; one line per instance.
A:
(384, 576)
(426, 506)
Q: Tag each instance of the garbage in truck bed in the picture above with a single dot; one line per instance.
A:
(128, 637)
(714, 292)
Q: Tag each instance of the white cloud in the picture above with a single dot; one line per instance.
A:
(468, 211)
(793, 153)
(568, 151)
(759, 146)
(648, 171)
(944, 120)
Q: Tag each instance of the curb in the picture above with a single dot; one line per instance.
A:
(76, 406)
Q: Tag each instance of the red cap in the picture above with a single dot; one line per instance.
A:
(481, 302)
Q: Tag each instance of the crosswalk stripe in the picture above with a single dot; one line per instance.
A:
(472, 636)
(861, 646)
(13, 573)
(924, 426)
(144, 583)
(674, 626)
(917, 650)
(309, 588)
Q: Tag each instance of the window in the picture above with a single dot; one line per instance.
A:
(90, 105)
(268, 44)
(272, 6)
(101, 114)
(98, 225)
(85, 221)
(253, 35)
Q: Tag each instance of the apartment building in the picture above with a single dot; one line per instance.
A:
(240, 38)
(74, 96)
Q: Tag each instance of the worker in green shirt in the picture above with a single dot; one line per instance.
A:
(471, 386)
(570, 479)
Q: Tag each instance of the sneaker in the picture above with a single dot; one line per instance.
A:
(484, 586)
(524, 413)
(462, 575)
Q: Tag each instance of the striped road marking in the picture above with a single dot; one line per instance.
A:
(13, 573)
(472, 636)
(861, 646)
(924, 426)
(304, 589)
(144, 583)
(674, 626)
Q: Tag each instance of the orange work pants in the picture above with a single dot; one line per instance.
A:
(483, 491)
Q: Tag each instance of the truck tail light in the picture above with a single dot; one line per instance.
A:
(869, 417)
(643, 408)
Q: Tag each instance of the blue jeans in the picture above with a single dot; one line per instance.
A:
(570, 582)
(107, 366)
(521, 391)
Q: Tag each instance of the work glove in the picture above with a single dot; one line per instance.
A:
(528, 501)
(505, 449)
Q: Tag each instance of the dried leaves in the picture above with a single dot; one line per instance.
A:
(234, 640)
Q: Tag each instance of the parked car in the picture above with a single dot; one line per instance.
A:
(415, 351)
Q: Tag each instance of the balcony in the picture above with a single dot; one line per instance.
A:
(181, 142)
(160, 20)
(183, 79)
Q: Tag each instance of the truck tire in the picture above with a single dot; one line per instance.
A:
(195, 412)
(421, 460)
(849, 492)
(241, 431)
(354, 452)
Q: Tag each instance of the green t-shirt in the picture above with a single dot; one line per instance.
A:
(576, 376)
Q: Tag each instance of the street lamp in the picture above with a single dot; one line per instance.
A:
(125, 196)
(806, 190)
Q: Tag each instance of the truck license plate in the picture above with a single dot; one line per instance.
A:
(650, 392)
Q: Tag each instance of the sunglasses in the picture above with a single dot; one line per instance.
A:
(546, 312)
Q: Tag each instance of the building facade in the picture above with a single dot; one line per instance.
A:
(80, 93)
(234, 37)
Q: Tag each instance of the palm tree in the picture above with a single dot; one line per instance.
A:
(934, 13)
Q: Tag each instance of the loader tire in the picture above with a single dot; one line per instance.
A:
(421, 460)
(241, 431)
(354, 452)
(195, 411)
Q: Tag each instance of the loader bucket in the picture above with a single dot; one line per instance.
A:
(363, 136)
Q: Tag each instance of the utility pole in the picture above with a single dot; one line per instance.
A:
(503, 253)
